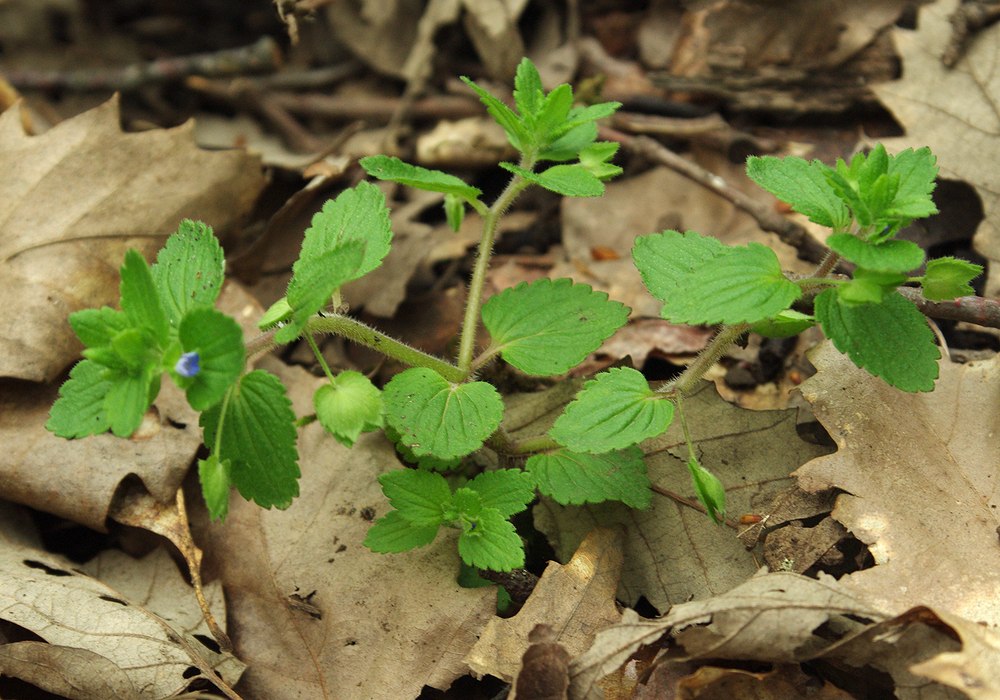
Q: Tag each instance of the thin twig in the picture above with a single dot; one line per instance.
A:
(263, 55)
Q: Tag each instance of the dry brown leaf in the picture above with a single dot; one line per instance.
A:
(809, 34)
(673, 552)
(918, 472)
(492, 28)
(772, 617)
(316, 615)
(74, 199)
(576, 600)
(139, 618)
(973, 670)
(954, 112)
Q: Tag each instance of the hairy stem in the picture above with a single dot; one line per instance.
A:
(366, 335)
(689, 378)
(470, 324)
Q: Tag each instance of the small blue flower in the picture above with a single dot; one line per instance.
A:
(189, 365)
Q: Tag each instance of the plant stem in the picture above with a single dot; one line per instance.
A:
(366, 335)
(826, 265)
(532, 445)
(319, 357)
(726, 336)
(470, 323)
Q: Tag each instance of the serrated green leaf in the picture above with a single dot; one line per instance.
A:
(572, 478)
(126, 401)
(887, 256)
(213, 474)
(869, 286)
(550, 326)
(890, 340)
(528, 93)
(783, 325)
(517, 133)
(258, 438)
(218, 341)
(189, 270)
(596, 157)
(420, 496)
(97, 327)
(567, 180)
(582, 116)
(79, 410)
(801, 184)
(348, 406)
(393, 533)
(744, 284)
(395, 170)
(614, 410)
(708, 489)
(508, 490)
(346, 240)
(466, 505)
(664, 258)
(948, 278)
(554, 109)
(491, 542)
(139, 297)
(435, 417)
(917, 171)
(845, 187)
(136, 349)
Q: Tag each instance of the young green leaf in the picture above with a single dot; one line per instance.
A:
(454, 211)
(97, 327)
(258, 438)
(217, 342)
(869, 286)
(394, 533)
(435, 417)
(393, 169)
(664, 258)
(744, 284)
(348, 406)
(948, 278)
(572, 478)
(615, 409)
(784, 324)
(890, 340)
(213, 474)
(569, 143)
(567, 180)
(917, 171)
(189, 270)
(420, 496)
(803, 185)
(489, 541)
(79, 410)
(128, 398)
(139, 298)
(549, 326)
(508, 490)
(528, 95)
(596, 157)
(347, 240)
(518, 134)
(279, 311)
(887, 256)
(554, 111)
(708, 489)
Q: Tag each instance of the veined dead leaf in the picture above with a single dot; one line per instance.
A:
(74, 199)
(918, 476)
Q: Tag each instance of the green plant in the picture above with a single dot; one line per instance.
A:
(439, 412)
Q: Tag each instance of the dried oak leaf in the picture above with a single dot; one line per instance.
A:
(954, 111)
(74, 199)
(575, 600)
(919, 482)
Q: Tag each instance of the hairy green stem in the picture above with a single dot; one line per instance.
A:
(541, 443)
(689, 378)
(319, 357)
(366, 335)
(470, 324)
